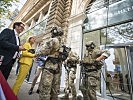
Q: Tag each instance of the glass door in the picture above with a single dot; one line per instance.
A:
(118, 75)
(130, 60)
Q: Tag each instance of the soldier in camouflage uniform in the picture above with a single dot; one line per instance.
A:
(71, 65)
(51, 73)
(90, 66)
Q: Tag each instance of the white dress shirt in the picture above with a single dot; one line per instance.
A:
(17, 40)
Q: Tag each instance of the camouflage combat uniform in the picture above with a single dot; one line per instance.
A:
(71, 63)
(51, 73)
(90, 74)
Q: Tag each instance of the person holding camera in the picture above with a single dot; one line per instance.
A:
(25, 64)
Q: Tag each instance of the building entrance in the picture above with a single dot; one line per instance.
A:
(118, 73)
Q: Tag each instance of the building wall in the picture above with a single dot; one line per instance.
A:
(74, 39)
(30, 11)
(76, 19)
(28, 14)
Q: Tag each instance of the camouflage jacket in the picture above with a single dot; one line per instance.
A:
(89, 61)
(50, 48)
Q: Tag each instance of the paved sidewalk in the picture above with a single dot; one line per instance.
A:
(23, 93)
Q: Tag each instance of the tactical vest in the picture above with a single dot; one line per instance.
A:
(90, 58)
(72, 60)
(55, 49)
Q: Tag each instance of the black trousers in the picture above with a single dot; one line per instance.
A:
(6, 69)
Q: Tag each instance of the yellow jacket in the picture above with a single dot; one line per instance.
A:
(26, 56)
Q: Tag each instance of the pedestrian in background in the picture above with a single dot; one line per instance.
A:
(25, 64)
(40, 60)
(10, 47)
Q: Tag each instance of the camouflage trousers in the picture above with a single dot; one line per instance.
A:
(72, 89)
(70, 86)
(89, 84)
(49, 85)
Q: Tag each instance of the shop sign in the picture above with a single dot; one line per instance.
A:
(117, 12)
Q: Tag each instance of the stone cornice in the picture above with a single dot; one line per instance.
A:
(35, 9)
(46, 6)
(74, 18)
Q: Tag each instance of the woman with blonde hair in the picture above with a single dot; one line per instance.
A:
(25, 64)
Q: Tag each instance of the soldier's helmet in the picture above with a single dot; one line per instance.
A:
(90, 44)
(56, 31)
(106, 53)
(72, 69)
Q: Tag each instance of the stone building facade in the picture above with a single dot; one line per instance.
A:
(106, 22)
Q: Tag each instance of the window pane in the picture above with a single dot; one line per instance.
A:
(117, 74)
(121, 33)
(101, 13)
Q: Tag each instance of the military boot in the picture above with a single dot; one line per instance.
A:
(37, 91)
(65, 97)
(30, 91)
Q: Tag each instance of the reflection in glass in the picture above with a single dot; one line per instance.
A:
(96, 19)
(36, 30)
(100, 13)
(116, 34)
(121, 33)
(102, 17)
(117, 74)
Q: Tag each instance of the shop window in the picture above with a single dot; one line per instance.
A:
(93, 36)
(39, 28)
(117, 34)
(110, 23)
(117, 75)
(45, 15)
(102, 13)
(28, 24)
(36, 20)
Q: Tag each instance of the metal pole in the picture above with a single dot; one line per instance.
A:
(130, 69)
(103, 83)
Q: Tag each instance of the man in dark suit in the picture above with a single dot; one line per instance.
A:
(10, 47)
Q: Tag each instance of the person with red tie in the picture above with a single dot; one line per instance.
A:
(10, 47)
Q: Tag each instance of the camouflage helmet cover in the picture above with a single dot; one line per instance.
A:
(72, 69)
(90, 44)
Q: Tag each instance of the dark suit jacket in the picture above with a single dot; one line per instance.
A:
(8, 45)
